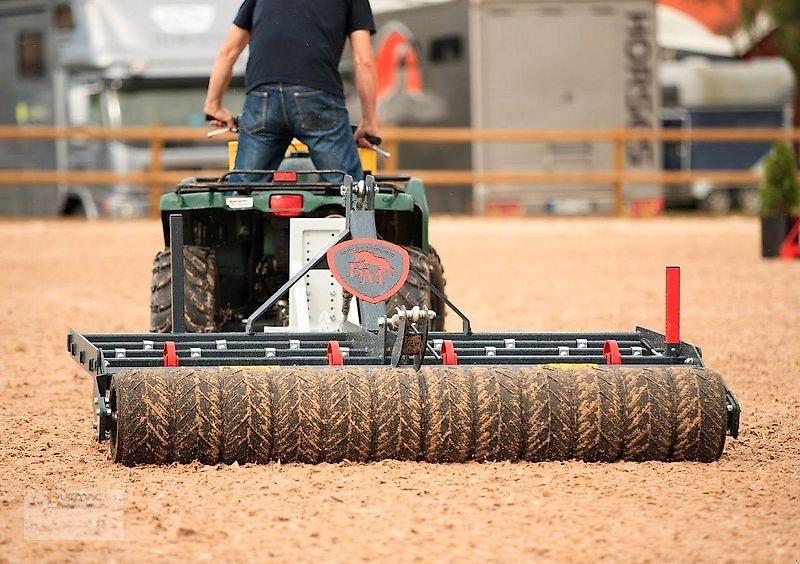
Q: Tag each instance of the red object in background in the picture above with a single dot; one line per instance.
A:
(170, 355)
(672, 332)
(396, 51)
(722, 17)
(286, 205)
(791, 245)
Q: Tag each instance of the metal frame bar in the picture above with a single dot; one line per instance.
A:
(177, 273)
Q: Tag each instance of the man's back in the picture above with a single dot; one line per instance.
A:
(300, 41)
(293, 85)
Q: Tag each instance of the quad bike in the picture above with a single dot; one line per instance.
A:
(237, 242)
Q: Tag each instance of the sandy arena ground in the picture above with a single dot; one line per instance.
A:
(546, 274)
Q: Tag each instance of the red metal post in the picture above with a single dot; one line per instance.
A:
(672, 332)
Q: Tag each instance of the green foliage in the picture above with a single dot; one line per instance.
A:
(780, 193)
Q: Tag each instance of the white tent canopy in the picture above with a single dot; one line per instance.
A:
(680, 32)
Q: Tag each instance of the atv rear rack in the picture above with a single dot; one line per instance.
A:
(223, 183)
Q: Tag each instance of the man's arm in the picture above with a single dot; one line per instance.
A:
(364, 64)
(221, 73)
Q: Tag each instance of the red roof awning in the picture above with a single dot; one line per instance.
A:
(722, 17)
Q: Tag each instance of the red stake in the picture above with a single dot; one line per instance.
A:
(170, 355)
(672, 332)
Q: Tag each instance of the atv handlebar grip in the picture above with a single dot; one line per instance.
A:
(373, 139)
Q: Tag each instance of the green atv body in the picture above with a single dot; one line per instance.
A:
(236, 238)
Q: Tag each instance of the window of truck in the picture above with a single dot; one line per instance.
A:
(170, 104)
(30, 54)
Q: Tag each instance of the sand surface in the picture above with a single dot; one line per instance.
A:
(543, 274)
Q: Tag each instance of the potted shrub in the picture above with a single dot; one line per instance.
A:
(780, 198)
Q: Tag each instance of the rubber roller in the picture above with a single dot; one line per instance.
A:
(439, 414)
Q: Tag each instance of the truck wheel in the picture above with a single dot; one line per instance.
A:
(200, 291)
(749, 201)
(718, 202)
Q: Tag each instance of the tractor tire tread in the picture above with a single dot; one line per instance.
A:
(398, 414)
(449, 422)
(246, 416)
(200, 289)
(197, 406)
(144, 422)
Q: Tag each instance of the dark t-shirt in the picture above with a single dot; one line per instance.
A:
(300, 41)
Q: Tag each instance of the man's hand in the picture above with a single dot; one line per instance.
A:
(362, 131)
(222, 117)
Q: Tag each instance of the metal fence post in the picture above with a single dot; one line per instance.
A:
(156, 167)
(393, 148)
(619, 172)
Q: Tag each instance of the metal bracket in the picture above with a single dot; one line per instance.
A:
(176, 266)
(412, 334)
(359, 204)
(734, 413)
(655, 343)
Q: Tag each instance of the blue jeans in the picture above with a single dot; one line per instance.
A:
(274, 114)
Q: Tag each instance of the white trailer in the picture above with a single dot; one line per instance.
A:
(110, 63)
(539, 64)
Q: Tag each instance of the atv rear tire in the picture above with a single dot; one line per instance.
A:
(438, 281)
(415, 292)
(200, 291)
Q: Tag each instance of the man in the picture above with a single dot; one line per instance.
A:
(293, 84)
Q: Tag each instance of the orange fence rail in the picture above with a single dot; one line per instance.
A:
(156, 178)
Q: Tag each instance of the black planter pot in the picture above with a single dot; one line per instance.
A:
(773, 233)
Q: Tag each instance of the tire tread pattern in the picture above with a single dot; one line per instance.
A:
(143, 427)
(246, 415)
(200, 288)
(398, 414)
(347, 415)
(449, 425)
(498, 414)
(197, 408)
(440, 414)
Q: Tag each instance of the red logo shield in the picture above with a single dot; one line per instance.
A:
(370, 269)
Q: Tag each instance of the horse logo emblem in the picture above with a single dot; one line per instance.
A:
(370, 269)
